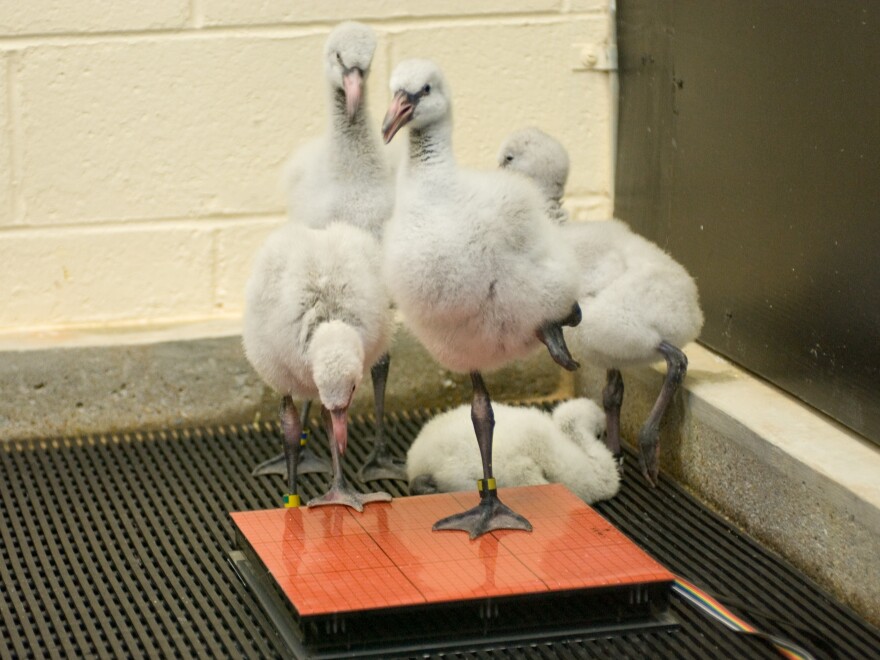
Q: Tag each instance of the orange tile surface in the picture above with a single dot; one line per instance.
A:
(333, 559)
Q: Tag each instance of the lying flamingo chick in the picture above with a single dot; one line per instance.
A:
(531, 448)
(643, 305)
(316, 317)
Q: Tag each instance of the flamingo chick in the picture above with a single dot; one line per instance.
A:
(316, 316)
(479, 272)
(544, 160)
(530, 448)
(643, 304)
(343, 176)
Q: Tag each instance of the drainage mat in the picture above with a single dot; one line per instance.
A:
(118, 546)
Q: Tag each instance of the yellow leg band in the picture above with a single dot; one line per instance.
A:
(488, 486)
(291, 501)
(303, 438)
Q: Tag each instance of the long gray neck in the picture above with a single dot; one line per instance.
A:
(556, 212)
(553, 193)
(354, 142)
(431, 147)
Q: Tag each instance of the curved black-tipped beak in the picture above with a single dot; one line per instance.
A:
(353, 86)
(399, 115)
(550, 334)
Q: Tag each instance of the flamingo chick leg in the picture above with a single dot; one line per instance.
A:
(380, 464)
(490, 513)
(612, 399)
(309, 462)
(550, 334)
(340, 491)
(649, 446)
(290, 428)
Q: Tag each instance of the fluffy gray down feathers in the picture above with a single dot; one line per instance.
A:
(632, 293)
(303, 279)
(471, 258)
(343, 175)
(530, 448)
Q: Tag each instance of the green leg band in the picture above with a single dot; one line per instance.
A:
(485, 486)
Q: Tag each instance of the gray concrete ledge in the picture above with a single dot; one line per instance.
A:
(797, 481)
(131, 383)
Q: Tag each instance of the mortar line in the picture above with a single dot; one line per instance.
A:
(8, 129)
(287, 30)
(147, 223)
(215, 251)
(196, 14)
(77, 333)
(15, 133)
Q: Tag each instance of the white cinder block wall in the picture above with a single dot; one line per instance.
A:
(140, 142)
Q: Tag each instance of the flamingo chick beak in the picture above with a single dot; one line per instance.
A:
(399, 114)
(353, 86)
(339, 420)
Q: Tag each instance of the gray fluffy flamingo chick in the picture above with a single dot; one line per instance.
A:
(643, 305)
(316, 316)
(479, 272)
(530, 448)
(343, 176)
(543, 159)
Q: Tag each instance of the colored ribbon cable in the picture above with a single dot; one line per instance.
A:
(709, 605)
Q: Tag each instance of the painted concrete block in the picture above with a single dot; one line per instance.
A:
(237, 244)
(6, 203)
(19, 17)
(166, 128)
(96, 274)
(233, 12)
(599, 6)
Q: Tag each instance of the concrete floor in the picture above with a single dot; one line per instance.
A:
(797, 481)
(67, 386)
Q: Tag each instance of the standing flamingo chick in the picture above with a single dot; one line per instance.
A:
(343, 176)
(478, 270)
(316, 316)
(643, 304)
(530, 449)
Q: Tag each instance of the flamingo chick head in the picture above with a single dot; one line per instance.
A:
(348, 54)
(539, 156)
(421, 97)
(336, 353)
(581, 420)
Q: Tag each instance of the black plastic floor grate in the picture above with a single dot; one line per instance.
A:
(116, 546)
